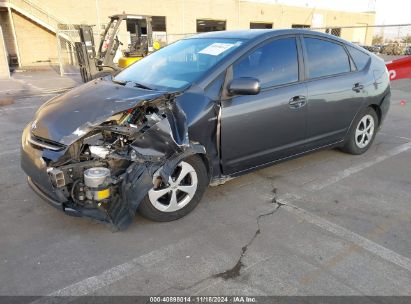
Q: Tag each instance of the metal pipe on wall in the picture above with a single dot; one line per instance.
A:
(98, 21)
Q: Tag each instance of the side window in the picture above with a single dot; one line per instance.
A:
(273, 64)
(360, 58)
(325, 58)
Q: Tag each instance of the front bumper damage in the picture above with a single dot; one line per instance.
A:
(133, 153)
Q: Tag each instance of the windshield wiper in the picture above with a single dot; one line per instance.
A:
(119, 82)
(143, 86)
(132, 84)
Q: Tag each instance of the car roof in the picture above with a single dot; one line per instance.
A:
(263, 33)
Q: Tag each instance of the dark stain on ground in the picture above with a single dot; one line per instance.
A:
(336, 201)
(6, 101)
(236, 269)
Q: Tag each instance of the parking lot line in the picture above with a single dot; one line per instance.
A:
(356, 239)
(111, 275)
(12, 90)
(396, 136)
(116, 273)
(9, 152)
(5, 110)
(315, 186)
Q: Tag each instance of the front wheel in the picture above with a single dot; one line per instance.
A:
(362, 133)
(180, 195)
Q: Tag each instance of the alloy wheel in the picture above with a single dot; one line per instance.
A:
(364, 131)
(178, 192)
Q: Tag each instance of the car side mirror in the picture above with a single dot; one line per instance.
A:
(244, 86)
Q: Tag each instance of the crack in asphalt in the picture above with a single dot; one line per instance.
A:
(236, 269)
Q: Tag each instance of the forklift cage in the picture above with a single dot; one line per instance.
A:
(67, 36)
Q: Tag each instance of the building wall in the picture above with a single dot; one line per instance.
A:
(7, 32)
(181, 17)
(37, 45)
(4, 67)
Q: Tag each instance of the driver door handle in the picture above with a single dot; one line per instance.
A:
(297, 102)
(357, 87)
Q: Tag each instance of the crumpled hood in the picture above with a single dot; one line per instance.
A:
(67, 117)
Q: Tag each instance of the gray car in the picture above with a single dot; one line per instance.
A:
(197, 112)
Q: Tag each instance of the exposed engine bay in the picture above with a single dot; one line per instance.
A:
(108, 171)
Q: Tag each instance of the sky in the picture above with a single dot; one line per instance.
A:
(387, 11)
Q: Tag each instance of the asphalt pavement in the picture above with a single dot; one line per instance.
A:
(327, 223)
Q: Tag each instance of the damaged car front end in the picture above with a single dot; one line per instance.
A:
(100, 163)
(143, 140)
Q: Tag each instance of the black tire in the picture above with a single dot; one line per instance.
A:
(351, 146)
(149, 211)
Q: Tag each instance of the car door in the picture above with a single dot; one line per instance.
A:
(335, 90)
(258, 129)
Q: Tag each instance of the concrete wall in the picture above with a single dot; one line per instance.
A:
(37, 45)
(181, 15)
(7, 32)
(4, 65)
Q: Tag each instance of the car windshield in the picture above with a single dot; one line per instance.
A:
(179, 64)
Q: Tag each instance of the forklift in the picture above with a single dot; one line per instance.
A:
(126, 39)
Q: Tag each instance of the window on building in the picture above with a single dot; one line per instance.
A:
(334, 31)
(158, 23)
(360, 58)
(133, 26)
(325, 58)
(300, 26)
(260, 25)
(206, 25)
(273, 64)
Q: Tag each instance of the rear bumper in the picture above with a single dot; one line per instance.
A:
(385, 106)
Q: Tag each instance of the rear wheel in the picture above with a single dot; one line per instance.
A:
(180, 195)
(362, 133)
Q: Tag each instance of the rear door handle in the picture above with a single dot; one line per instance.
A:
(357, 87)
(297, 102)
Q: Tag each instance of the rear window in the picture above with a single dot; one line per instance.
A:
(325, 58)
(360, 58)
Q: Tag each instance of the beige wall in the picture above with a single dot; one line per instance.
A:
(7, 32)
(181, 15)
(4, 66)
(37, 45)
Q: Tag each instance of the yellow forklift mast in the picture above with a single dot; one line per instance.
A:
(126, 39)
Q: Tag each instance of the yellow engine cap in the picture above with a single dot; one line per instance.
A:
(103, 194)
